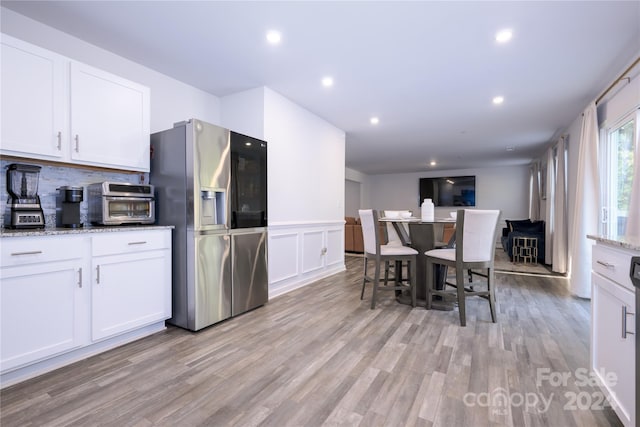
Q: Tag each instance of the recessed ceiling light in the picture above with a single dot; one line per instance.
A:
(374, 120)
(433, 163)
(327, 81)
(273, 37)
(504, 36)
(498, 100)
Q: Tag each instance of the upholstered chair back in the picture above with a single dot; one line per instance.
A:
(369, 220)
(478, 229)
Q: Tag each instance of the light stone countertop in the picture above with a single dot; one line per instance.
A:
(55, 231)
(621, 242)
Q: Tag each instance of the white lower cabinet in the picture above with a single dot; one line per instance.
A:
(40, 299)
(66, 297)
(613, 330)
(131, 288)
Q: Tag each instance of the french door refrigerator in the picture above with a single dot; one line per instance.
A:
(211, 185)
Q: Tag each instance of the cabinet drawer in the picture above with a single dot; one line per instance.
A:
(130, 241)
(613, 264)
(31, 250)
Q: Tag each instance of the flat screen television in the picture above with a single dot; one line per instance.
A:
(449, 191)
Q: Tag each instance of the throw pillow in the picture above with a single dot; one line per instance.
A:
(531, 227)
(514, 225)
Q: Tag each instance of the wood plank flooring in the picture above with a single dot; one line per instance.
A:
(318, 356)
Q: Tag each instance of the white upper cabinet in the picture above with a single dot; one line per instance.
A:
(57, 109)
(109, 119)
(34, 104)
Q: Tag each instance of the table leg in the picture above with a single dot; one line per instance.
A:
(423, 239)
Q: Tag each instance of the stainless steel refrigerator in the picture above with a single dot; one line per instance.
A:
(211, 185)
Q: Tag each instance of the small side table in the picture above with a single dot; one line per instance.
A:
(525, 249)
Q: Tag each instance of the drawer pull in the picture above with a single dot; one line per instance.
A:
(80, 277)
(137, 243)
(77, 138)
(97, 274)
(26, 253)
(59, 141)
(606, 264)
(624, 322)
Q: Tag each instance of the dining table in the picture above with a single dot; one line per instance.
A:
(423, 236)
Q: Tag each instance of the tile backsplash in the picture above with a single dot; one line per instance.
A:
(53, 177)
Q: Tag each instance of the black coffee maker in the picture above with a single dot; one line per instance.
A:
(68, 207)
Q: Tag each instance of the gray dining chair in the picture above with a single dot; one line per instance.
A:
(474, 249)
(379, 254)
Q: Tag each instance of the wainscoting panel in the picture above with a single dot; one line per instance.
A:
(313, 250)
(335, 246)
(301, 253)
(282, 250)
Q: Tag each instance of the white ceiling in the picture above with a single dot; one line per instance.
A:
(428, 70)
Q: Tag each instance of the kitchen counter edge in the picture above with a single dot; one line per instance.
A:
(83, 230)
(632, 244)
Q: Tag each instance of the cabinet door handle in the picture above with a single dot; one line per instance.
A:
(80, 277)
(137, 243)
(77, 138)
(606, 264)
(624, 322)
(98, 274)
(59, 141)
(26, 253)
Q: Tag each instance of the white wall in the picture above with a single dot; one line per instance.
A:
(305, 155)
(171, 100)
(365, 185)
(504, 188)
(305, 185)
(306, 195)
(352, 191)
(244, 112)
(308, 163)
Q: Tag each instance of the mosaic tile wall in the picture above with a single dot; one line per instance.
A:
(53, 177)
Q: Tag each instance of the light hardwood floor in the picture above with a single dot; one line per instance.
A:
(319, 356)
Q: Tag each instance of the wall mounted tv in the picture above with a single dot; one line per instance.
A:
(449, 191)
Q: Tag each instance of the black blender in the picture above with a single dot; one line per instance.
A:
(23, 207)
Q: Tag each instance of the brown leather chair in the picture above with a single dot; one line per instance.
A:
(358, 243)
(349, 225)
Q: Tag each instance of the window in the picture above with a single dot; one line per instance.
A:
(618, 146)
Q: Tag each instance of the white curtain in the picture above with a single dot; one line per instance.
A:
(585, 218)
(632, 231)
(534, 192)
(560, 239)
(548, 217)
